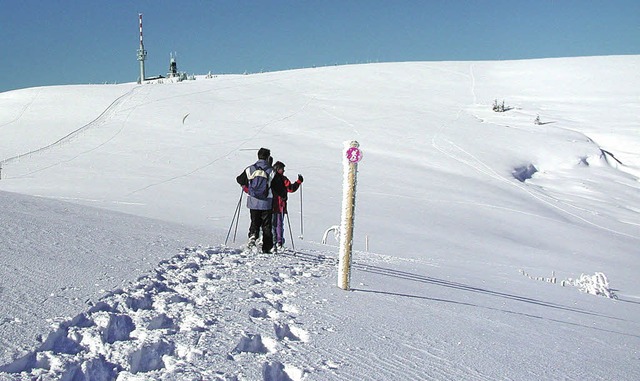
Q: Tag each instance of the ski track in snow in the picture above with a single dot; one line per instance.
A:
(105, 115)
(180, 319)
(23, 110)
(252, 138)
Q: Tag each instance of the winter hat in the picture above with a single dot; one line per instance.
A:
(264, 153)
(278, 165)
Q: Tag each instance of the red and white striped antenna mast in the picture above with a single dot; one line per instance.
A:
(142, 54)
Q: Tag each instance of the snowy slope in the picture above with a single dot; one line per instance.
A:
(59, 255)
(442, 292)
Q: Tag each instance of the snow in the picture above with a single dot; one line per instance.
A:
(498, 248)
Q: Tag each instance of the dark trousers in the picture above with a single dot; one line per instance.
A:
(261, 220)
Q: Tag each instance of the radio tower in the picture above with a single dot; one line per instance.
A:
(142, 54)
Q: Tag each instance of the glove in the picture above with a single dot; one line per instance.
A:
(300, 178)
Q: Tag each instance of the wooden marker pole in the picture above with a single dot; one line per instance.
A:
(351, 156)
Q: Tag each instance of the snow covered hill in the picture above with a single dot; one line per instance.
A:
(464, 217)
(57, 256)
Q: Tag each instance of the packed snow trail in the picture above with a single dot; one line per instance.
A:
(220, 314)
(181, 322)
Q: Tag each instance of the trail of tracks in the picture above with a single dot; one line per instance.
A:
(213, 313)
(23, 110)
(104, 116)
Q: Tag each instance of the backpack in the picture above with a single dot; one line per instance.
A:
(259, 182)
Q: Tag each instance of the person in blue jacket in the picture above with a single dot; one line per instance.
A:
(256, 181)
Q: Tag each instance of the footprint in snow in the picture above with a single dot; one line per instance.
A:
(149, 356)
(255, 343)
(277, 371)
(162, 321)
(291, 333)
(258, 313)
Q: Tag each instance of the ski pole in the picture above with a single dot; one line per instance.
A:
(290, 234)
(236, 213)
(235, 232)
(301, 216)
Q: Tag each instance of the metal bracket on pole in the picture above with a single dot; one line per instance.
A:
(351, 156)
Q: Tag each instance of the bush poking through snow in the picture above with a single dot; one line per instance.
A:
(596, 284)
(500, 107)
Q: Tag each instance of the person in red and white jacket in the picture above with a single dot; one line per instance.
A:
(281, 186)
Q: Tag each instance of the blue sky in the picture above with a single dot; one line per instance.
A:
(47, 42)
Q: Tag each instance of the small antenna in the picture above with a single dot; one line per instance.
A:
(173, 66)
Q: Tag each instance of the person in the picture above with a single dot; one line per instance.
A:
(256, 180)
(281, 186)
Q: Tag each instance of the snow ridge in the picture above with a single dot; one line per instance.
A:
(183, 317)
